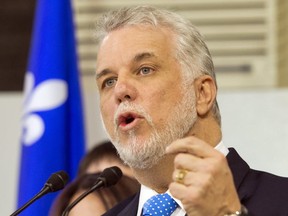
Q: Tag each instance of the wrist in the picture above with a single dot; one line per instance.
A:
(242, 212)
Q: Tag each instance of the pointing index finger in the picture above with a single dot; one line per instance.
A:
(191, 145)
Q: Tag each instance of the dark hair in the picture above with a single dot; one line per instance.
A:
(103, 150)
(125, 188)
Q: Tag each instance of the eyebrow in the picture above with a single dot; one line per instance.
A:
(102, 73)
(137, 58)
(144, 55)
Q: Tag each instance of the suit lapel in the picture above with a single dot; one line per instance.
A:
(131, 208)
(240, 171)
(238, 166)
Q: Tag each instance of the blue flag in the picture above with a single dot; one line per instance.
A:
(53, 127)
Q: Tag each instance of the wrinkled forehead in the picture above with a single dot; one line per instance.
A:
(141, 27)
(135, 39)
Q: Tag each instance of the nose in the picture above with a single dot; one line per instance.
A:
(124, 90)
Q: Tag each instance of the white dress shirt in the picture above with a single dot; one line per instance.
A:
(146, 193)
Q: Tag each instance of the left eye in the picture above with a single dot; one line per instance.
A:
(145, 70)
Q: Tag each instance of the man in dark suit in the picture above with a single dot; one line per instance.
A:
(158, 103)
(262, 193)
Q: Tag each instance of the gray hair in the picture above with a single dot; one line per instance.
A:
(191, 51)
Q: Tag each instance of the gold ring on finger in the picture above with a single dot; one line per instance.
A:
(180, 176)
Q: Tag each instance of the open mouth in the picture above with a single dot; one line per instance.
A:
(126, 119)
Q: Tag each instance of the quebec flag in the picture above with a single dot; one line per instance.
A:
(53, 129)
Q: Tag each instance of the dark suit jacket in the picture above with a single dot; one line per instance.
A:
(262, 193)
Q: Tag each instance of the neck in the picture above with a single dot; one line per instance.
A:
(208, 130)
(159, 176)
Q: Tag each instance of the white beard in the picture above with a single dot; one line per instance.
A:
(145, 154)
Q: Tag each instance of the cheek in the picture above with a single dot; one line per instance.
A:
(166, 97)
(166, 102)
(160, 103)
(107, 113)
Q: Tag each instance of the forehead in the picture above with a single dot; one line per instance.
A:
(131, 40)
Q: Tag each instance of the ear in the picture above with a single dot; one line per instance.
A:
(205, 91)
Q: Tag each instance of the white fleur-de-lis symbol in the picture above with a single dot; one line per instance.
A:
(43, 97)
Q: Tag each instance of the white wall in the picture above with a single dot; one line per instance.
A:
(10, 112)
(254, 121)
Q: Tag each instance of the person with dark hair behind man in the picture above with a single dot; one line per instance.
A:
(157, 87)
(96, 203)
(98, 158)
(101, 156)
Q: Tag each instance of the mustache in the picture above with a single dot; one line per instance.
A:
(127, 106)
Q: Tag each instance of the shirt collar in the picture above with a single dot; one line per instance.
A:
(222, 148)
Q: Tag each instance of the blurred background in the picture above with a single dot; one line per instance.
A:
(248, 40)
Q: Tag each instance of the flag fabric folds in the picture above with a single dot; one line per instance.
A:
(53, 136)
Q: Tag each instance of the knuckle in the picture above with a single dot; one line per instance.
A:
(177, 160)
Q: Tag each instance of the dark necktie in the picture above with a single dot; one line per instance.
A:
(160, 204)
